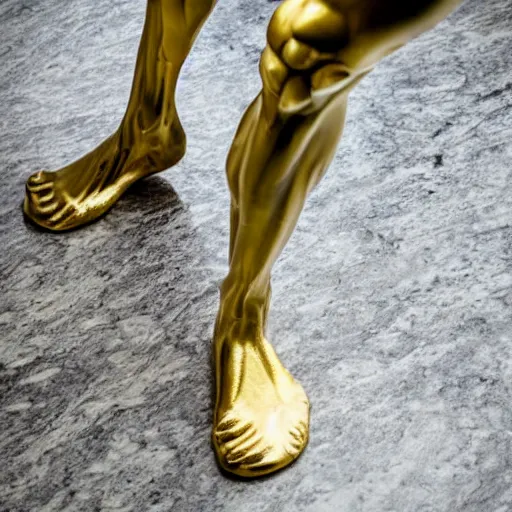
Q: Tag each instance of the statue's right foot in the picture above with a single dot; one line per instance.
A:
(83, 191)
(261, 418)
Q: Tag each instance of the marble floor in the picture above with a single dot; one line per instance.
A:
(392, 302)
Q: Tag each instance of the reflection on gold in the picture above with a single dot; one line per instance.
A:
(149, 139)
(317, 51)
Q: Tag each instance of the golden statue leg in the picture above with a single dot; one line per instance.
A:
(317, 52)
(149, 139)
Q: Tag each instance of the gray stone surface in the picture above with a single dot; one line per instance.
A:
(392, 302)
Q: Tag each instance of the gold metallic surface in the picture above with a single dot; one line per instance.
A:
(149, 139)
(317, 51)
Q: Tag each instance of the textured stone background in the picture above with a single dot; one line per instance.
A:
(392, 302)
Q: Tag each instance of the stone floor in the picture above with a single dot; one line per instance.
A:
(392, 302)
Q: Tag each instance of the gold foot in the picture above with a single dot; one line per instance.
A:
(150, 138)
(317, 51)
(88, 188)
(261, 420)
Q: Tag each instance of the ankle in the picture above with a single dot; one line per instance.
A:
(237, 331)
(244, 321)
(163, 143)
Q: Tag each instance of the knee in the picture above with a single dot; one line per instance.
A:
(301, 59)
(303, 32)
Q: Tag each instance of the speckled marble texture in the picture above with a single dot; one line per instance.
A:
(392, 302)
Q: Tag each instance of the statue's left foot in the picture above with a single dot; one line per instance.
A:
(86, 189)
(261, 419)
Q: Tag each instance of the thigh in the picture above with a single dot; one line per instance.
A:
(378, 27)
